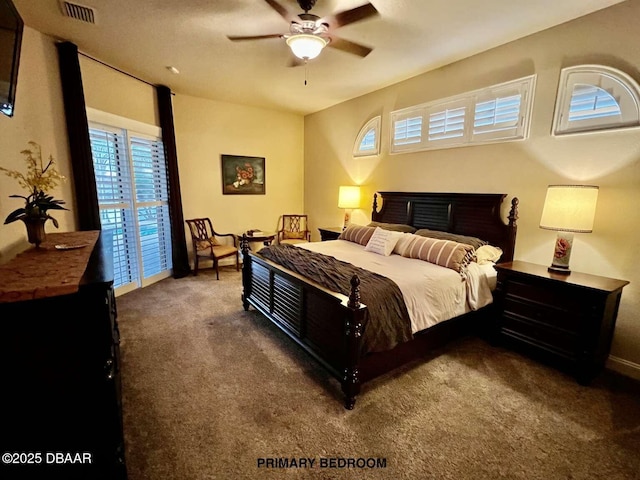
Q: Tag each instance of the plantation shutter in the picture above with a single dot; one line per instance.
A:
(115, 198)
(448, 123)
(588, 102)
(152, 207)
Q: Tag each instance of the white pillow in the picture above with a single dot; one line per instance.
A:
(487, 254)
(403, 243)
(382, 241)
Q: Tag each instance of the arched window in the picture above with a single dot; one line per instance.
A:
(368, 140)
(595, 97)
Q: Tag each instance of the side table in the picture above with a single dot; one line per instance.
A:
(330, 233)
(566, 320)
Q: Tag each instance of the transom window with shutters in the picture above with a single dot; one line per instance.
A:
(498, 113)
(131, 181)
(595, 97)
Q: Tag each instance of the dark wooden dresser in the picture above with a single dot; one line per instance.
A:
(565, 320)
(60, 362)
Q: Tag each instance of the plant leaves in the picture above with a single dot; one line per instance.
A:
(15, 215)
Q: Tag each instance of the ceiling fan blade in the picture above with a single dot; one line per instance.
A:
(346, 17)
(284, 13)
(235, 38)
(349, 46)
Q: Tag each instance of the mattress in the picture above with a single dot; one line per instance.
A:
(431, 293)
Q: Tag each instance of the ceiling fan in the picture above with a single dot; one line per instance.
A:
(309, 34)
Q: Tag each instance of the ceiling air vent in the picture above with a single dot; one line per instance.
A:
(79, 12)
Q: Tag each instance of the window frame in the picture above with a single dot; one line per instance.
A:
(594, 75)
(524, 86)
(372, 125)
(126, 130)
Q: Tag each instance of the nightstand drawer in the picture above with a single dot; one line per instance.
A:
(540, 334)
(557, 318)
(561, 298)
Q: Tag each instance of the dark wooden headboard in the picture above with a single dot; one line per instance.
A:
(475, 214)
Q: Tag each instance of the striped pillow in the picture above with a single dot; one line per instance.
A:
(445, 253)
(357, 234)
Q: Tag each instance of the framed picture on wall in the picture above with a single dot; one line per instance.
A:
(243, 175)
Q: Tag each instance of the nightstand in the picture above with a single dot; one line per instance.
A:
(330, 233)
(565, 320)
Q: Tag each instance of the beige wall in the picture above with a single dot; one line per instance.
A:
(38, 117)
(523, 169)
(205, 129)
(108, 90)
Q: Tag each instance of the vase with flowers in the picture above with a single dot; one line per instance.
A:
(39, 179)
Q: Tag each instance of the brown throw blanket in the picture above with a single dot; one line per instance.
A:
(387, 321)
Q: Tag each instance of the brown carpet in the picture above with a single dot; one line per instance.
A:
(209, 390)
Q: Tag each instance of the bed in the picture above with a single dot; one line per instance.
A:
(331, 326)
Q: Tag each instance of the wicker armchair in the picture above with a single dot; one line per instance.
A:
(294, 229)
(206, 244)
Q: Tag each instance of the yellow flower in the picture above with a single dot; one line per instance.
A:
(37, 181)
(38, 178)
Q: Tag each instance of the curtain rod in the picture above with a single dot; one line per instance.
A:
(118, 70)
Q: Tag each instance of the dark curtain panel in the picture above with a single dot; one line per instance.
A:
(178, 242)
(87, 211)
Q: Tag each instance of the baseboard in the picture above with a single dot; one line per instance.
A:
(625, 367)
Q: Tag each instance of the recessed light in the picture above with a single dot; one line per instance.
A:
(173, 70)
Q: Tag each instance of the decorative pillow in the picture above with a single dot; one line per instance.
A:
(295, 235)
(382, 241)
(357, 234)
(394, 227)
(445, 253)
(454, 237)
(488, 254)
(403, 242)
(205, 244)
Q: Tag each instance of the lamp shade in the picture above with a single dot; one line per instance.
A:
(349, 197)
(569, 208)
(306, 46)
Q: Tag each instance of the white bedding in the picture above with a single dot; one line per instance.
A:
(432, 293)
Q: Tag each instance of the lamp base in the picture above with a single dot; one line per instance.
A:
(560, 270)
(562, 253)
(347, 218)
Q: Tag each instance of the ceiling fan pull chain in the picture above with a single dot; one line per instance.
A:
(305, 73)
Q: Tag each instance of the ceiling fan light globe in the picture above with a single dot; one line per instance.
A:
(305, 46)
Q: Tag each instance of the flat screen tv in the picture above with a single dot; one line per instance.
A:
(11, 26)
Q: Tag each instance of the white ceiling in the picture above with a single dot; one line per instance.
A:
(143, 37)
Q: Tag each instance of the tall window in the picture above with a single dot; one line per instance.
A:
(131, 180)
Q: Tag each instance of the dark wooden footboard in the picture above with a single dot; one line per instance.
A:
(326, 324)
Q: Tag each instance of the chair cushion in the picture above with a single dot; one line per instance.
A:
(294, 235)
(223, 250)
(206, 244)
(292, 241)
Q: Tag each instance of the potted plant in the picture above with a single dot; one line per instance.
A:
(38, 180)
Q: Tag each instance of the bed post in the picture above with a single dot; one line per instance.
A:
(375, 205)
(513, 228)
(246, 271)
(353, 333)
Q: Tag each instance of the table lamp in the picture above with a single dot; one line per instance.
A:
(568, 209)
(348, 198)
